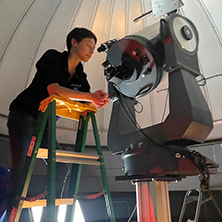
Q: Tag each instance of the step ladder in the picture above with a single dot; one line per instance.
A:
(192, 195)
(50, 107)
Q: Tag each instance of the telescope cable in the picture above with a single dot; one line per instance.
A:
(204, 177)
(131, 117)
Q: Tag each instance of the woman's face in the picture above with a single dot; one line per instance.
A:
(84, 49)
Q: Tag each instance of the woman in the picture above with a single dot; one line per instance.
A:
(58, 73)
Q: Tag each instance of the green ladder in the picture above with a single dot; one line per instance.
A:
(50, 107)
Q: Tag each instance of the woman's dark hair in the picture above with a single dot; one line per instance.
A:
(79, 34)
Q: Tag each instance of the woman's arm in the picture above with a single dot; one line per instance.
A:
(98, 98)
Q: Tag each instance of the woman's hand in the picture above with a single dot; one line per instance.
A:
(100, 98)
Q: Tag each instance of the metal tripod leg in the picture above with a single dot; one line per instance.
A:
(108, 199)
(28, 166)
(189, 199)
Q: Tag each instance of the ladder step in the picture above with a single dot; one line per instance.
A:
(37, 203)
(70, 157)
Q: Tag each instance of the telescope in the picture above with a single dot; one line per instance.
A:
(133, 68)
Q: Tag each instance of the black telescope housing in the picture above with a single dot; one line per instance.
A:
(133, 68)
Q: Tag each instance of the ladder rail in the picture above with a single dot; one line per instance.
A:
(77, 168)
(188, 199)
(51, 169)
(107, 195)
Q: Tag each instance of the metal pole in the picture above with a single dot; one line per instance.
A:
(152, 201)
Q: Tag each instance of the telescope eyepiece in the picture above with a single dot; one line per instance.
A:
(106, 45)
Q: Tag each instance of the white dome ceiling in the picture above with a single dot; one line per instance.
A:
(29, 27)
